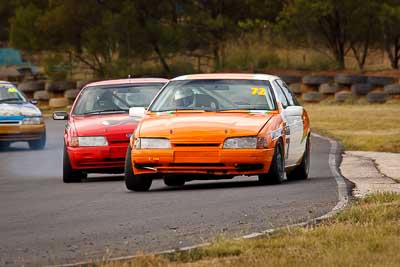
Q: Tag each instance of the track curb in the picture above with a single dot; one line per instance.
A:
(343, 200)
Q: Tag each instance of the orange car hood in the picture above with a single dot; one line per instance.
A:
(200, 127)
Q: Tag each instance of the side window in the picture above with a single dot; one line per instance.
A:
(281, 95)
(288, 93)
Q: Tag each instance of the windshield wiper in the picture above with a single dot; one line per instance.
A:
(109, 111)
(11, 99)
(241, 109)
(184, 109)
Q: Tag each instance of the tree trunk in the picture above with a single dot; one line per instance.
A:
(163, 62)
(217, 60)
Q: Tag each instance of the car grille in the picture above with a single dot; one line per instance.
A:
(197, 145)
(10, 122)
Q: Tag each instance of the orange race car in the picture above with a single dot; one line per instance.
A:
(217, 126)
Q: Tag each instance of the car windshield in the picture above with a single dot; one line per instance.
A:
(115, 99)
(215, 95)
(10, 94)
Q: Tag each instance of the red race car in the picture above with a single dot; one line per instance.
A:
(99, 127)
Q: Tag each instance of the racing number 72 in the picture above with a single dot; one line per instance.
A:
(258, 91)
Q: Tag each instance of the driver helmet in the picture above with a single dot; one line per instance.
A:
(184, 96)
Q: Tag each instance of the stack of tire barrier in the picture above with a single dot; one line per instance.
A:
(30, 87)
(60, 92)
(371, 87)
(317, 87)
(343, 87)
(294, 82)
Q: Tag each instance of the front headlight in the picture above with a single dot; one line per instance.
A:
(152, 143)
(89, 141)
(32, 120)
(250, 142)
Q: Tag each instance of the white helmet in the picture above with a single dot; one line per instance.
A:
(182, 93)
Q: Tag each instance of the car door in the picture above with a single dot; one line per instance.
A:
(294, 114)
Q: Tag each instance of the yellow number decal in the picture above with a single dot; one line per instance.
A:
(12, 90)
(258, 91)
(254, 90)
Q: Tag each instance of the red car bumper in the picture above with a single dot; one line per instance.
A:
(91, 159)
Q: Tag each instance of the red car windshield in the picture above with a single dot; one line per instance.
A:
(118, 98)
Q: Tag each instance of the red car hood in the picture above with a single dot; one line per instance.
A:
(116, 127)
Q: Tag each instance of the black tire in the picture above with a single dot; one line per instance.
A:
(392, 89)
(301, 171)
(70, 175)
(312, 97)
(60, 86)
(296, 88)
(381, 80)
(174, 181)
(41, 95)
(276, 173)
(317, 79)
(361, 89)
(134, 182)
(376, 97)
(38, 144)
(290, 79)
(343, 96)
(328, 88)
(349, 79)
(31, 86)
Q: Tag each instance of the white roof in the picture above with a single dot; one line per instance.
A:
(238, 76)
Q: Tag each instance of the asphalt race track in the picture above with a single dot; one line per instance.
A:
(43, 221)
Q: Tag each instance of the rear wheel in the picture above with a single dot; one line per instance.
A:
(276, 172)
(70, 175)
(39, 143)
(301, 171)
(135, 182)
(174, 181)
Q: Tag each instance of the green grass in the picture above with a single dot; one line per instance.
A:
(359, 126)
(366, 234)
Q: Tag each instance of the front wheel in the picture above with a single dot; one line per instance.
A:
(70, 175)
(301, 171)
(135, 182)
(39, 143)
(276, 173)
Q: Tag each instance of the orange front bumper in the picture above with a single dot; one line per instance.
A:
(201, 161)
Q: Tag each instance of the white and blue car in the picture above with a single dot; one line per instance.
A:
(20, 119)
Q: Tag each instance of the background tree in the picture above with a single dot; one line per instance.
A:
(320, 23)
(363, 28)
(390, 21)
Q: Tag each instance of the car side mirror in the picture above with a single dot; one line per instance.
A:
(294, 111)
(60, 115)
(137, 112)
(33, 101)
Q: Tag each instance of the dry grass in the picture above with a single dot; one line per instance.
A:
(359, 126)
(367, 234)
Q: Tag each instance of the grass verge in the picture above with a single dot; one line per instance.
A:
(366, 234)
(359, 126)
